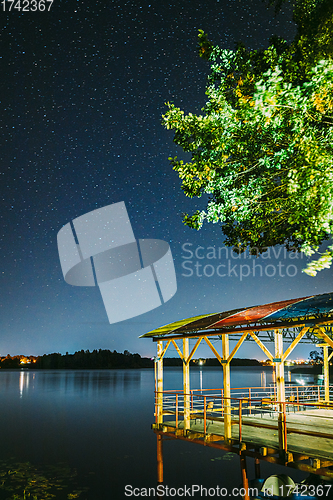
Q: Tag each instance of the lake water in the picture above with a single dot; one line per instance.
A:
(98, 423)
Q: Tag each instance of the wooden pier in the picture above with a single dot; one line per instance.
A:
(302, 438)
(286, 426)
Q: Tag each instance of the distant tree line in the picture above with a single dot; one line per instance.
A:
(102, 359)
(234, 362)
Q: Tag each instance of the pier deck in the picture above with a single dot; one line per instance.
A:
(308, 433)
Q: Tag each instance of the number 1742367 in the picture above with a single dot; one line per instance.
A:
(26, 5)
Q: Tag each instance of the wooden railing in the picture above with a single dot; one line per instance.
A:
(210, 405)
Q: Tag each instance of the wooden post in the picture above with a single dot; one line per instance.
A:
(159, 459)
(159, 383)
(205, 415)
(326, 375)
(326, 372)
(177, 410)
(280, 390)
(245, 480)
(186, 383)
(240, 422)
(226, 387)
(257, 468)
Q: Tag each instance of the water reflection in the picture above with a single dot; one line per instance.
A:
(24, 382)
(85, 382)
(90, 382)
(120, 382)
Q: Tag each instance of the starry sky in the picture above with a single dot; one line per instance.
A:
(83, 88)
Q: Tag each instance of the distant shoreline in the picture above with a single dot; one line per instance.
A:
(315, 369)
(105, 359)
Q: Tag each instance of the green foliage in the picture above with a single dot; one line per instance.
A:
(24, 481)
(316, 357)
(262, 148)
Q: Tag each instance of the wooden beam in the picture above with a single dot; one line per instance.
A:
(245, 480)
(294, 343)
(165, 349)
(261, 345)
(226, 388)
(177, 349)
(159, 458)
(208, 342)
(186, 385)
(193, 350)
(159, 384)
(326, 375)
(328, 341)
(237, 346)
(325, 345)
(279, 369)
(322, 334)
(279, 365)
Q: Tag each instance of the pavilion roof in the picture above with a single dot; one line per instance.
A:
(311, 311)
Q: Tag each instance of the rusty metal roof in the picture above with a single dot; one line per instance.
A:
(283, 314)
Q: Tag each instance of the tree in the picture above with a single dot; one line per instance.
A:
(316, 357)
(262, 148)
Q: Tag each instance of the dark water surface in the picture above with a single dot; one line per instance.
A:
(98, 422)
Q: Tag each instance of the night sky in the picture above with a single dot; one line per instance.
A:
(83, 89)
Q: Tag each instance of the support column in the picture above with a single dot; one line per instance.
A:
(280, 390)
(257, 468)
(159, 459)
(226, 386)
(326, 375)
(159, 383)
(186, 383)
(245, 480)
